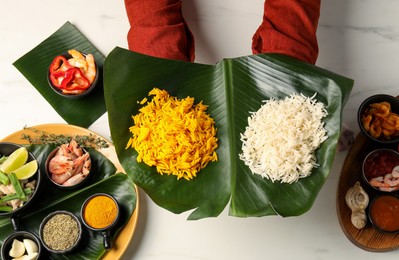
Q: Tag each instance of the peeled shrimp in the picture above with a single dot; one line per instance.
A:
(388, 182)
(378, 182)
(391, 122)
(395, 171)
(77, 60)
(381, 109)
(86, 64)
(366, 120)
(375, 128)
(90, 73)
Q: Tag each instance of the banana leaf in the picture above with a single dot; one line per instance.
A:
(50, 199)
(34, 66)
(232, 88)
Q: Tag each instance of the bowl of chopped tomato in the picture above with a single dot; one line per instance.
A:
(73, 74)
(378, 118)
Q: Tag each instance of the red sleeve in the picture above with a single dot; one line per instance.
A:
(157, 28)
(289, 27)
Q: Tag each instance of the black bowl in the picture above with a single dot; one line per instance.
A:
(377, 164)
(20, 235)
(383, 213)
(104, 230)
(74, 245)
(365, 105)
(48, 173)
(6, 149)
(74, 96)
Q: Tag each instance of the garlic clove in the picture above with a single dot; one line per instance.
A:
(30, 246)
(17, 249)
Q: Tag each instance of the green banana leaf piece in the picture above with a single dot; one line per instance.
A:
(232, 88)
(34, 66)
(50, 199)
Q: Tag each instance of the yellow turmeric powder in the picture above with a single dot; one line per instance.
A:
(100, 212)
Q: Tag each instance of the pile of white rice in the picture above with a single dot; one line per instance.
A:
(280, 140)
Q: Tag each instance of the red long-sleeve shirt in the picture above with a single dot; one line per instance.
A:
(159, 29)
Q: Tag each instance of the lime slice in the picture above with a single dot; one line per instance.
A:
(15, 160)
(26, 171)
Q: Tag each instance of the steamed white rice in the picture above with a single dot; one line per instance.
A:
(280, 140)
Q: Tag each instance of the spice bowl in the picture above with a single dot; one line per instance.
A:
(383, 213)
(55, 76)
(66, 170)
(376, 121)
(100, 212)
(60, 232)
(27, 246)
(380, 170)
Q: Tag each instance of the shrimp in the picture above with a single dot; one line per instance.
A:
(86, 167)
(90, 73)
(378, 182)
(381, 109)
(79, 163)
(77, 60)
(60, 164)
(76, 54)
(391, 122)
(366, 120)
(390, 180)
(75, 179)
(395, 171)
(61, 178)
(75, 148)
(70, 160)
(375, 128)
(86, 64)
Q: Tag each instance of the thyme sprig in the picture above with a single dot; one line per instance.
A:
(43, 137)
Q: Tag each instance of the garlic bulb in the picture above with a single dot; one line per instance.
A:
(357, 200)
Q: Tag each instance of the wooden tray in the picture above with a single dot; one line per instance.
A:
(367, 238)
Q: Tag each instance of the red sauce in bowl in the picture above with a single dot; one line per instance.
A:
(384, 213)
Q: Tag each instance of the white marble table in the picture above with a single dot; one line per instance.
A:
(358, 39)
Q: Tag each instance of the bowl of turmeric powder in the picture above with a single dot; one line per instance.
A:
(378, 118)
(100, 212)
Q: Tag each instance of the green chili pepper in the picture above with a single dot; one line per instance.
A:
(17, 186)
(14, 196)
(4, 179)
(5, 208)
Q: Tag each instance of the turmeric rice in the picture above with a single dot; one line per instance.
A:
(176, 136)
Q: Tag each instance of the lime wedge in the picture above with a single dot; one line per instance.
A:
(26, 171)
(15, 160)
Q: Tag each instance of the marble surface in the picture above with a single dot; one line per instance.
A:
(357, 38)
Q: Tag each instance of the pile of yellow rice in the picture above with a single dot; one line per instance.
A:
(176, 136)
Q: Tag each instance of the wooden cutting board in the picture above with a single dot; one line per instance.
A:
(367, 238)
